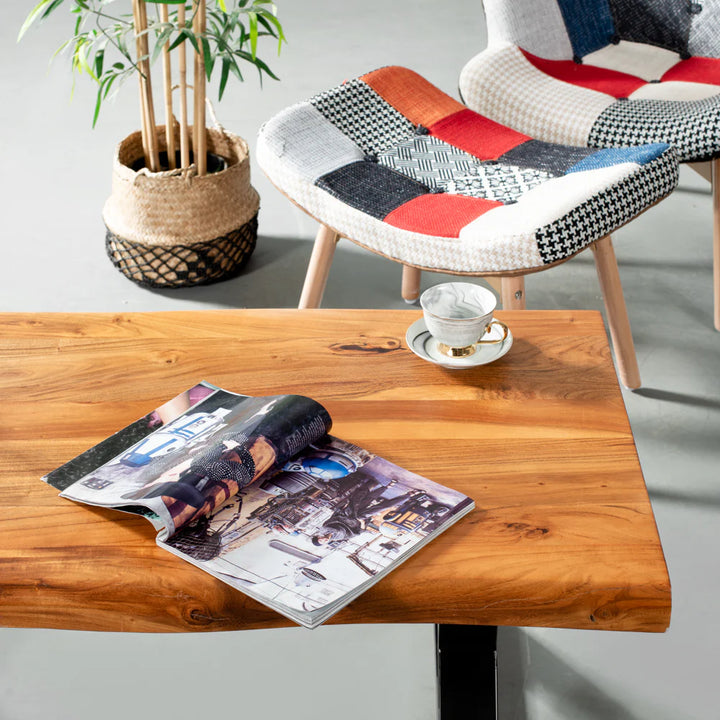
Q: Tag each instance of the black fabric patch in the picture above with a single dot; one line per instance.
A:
(610, 209)
(553, 159)
(691, 126)
(665, 23)
(371, 188)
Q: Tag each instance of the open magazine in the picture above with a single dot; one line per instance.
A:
(254, 491)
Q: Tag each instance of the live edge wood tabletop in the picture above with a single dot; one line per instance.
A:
(563, 534)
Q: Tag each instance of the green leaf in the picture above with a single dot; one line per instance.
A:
(224, 74)
(190, 35)
(34, 13)
(208, 58)
(99, 59)
(252, 19)
(160, 42)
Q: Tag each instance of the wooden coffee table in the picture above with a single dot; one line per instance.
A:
(563, 534)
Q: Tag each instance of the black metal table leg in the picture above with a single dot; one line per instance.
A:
(467, 672)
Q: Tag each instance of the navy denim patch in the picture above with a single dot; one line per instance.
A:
(589, 24)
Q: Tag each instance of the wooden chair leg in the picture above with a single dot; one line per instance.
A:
(512, 291)
(715, 164)
(319, 268)
(411, 283)
(618, 321)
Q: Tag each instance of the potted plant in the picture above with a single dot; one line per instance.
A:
(182, 210)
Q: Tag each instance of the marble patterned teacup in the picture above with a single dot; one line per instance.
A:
(457, 315)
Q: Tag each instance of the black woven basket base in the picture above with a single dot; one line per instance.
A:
(183, 265)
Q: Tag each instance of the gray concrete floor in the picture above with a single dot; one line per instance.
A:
(55, 178)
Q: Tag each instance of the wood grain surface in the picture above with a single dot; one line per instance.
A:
(563, 534)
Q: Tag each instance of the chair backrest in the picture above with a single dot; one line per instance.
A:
(566, 29)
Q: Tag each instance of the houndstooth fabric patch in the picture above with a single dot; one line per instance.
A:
(358, 111)
(692, 127)
(609, 210)
(503, 85)
(504, 183)
(428, 160)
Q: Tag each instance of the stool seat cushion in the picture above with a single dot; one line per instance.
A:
(396, 165)
(609, 73)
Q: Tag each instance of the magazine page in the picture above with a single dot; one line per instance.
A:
(85, 463)
(189, 466)
(309, 539)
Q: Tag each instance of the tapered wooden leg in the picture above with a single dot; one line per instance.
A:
(607, 270)
(411, 283)
(513, 292)
(716, 240)
(319, 268)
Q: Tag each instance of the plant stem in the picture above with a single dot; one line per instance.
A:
(182, 64)
(167, 77)
(200, 142)
(150, 144)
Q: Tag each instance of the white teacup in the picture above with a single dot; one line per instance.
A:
(458, 314)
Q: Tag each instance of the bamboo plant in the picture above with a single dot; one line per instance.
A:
(110, 46)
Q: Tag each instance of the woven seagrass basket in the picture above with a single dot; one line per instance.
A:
(176, 229)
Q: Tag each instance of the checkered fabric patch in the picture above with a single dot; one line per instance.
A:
(609, 210)
(359, 112)
(692, 127)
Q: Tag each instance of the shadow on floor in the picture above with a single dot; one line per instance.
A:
(560, 688)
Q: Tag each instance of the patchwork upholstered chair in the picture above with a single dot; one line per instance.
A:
(604, 74)
(397, 166)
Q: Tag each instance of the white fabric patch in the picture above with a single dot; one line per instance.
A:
(536, 26)
(308, 142)
(545, 203)
(675, 90)
(501, 84)
(644, 61)
(705, 30)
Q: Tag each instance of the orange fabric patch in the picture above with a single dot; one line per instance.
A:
(439, 214)
(412, 95)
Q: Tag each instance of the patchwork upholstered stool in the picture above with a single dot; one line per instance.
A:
(606, 73)
(397, 166)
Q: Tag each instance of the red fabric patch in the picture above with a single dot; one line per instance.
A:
(695, 69)
(612, 82)
(441, 214)
(477, 135)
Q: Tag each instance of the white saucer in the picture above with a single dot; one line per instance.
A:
(425, 346)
